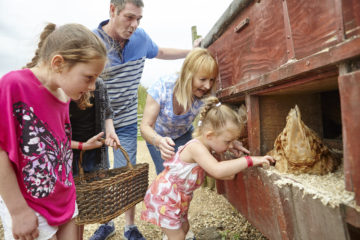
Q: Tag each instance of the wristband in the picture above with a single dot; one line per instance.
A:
(80, 146)
(249, 161)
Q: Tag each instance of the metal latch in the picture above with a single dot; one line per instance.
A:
(242, 24)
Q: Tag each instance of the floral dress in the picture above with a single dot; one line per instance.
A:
(167, 200)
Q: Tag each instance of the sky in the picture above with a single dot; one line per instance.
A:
(168, 22)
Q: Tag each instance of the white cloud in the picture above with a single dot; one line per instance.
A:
(168, 22)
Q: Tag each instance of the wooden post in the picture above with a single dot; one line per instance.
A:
(194, 35)
(349, 82)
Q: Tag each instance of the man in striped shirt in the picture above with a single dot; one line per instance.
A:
(128, 47)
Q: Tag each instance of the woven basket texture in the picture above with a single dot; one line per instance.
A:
(105, 194)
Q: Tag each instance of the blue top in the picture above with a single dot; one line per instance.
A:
(123, 72)
(168, 124)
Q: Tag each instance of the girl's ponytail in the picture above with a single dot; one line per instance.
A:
(45, 33)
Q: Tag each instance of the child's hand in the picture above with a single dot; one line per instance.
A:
(166, 148)
(94, 142)
(262, 160)
(26, 224)
(112, 140)
(238, 150)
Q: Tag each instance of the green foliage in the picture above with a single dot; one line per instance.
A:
(141, 105)
(141, 98)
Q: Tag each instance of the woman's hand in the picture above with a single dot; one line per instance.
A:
(238, 150)
(166, 147)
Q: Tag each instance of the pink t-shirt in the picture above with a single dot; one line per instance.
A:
(35, 132)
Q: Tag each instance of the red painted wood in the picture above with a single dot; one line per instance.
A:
(312, 65)
(314, 25)
(258, 48)
(352, 216)
(253, 124)
(257, 199)
(349, 86)
(351, 17)
(288, 32)
(235, 191)
(253, 64)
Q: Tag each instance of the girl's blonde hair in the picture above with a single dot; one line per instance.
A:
(74, 42)
(198, 59)
(216, 116)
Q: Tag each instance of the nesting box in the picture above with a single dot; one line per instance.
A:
(272, 56)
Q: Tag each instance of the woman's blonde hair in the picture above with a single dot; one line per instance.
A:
(198, 59)
(74, 42)
(215, 116)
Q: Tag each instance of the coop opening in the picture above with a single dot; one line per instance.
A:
(319, 105)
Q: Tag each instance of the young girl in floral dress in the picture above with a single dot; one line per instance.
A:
(167, 200)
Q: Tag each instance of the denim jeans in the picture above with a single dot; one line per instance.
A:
(156, 155)
(128, 140)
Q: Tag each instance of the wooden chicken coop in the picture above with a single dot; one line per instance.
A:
(273, 55)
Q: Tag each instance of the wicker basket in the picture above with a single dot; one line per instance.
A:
(106, 194)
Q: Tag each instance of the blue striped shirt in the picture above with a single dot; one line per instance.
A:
(123, 72)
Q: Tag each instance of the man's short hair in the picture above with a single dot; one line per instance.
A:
(120, 4)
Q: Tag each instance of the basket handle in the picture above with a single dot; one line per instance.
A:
(81, 170)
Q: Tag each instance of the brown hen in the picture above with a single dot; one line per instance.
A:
(298, 149)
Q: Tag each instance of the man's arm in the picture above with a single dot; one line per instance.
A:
(172, 53)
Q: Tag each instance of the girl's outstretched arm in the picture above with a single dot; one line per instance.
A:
(91, 143)
(219, 170)
(25, 222)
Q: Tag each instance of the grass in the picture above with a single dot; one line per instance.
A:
(141, 105)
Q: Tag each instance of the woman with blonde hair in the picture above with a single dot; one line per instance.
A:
(172, 104)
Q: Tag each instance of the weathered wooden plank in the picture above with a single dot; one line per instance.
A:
(235, 192)
(350, 111)
(257, 48)
(314, 220)
(313, 25)
(224, 21)
(263, 203)
(253, 124)
(288, 32)
(351, 17)
(312, 65)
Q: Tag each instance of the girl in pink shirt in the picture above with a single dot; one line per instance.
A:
(37, 188)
